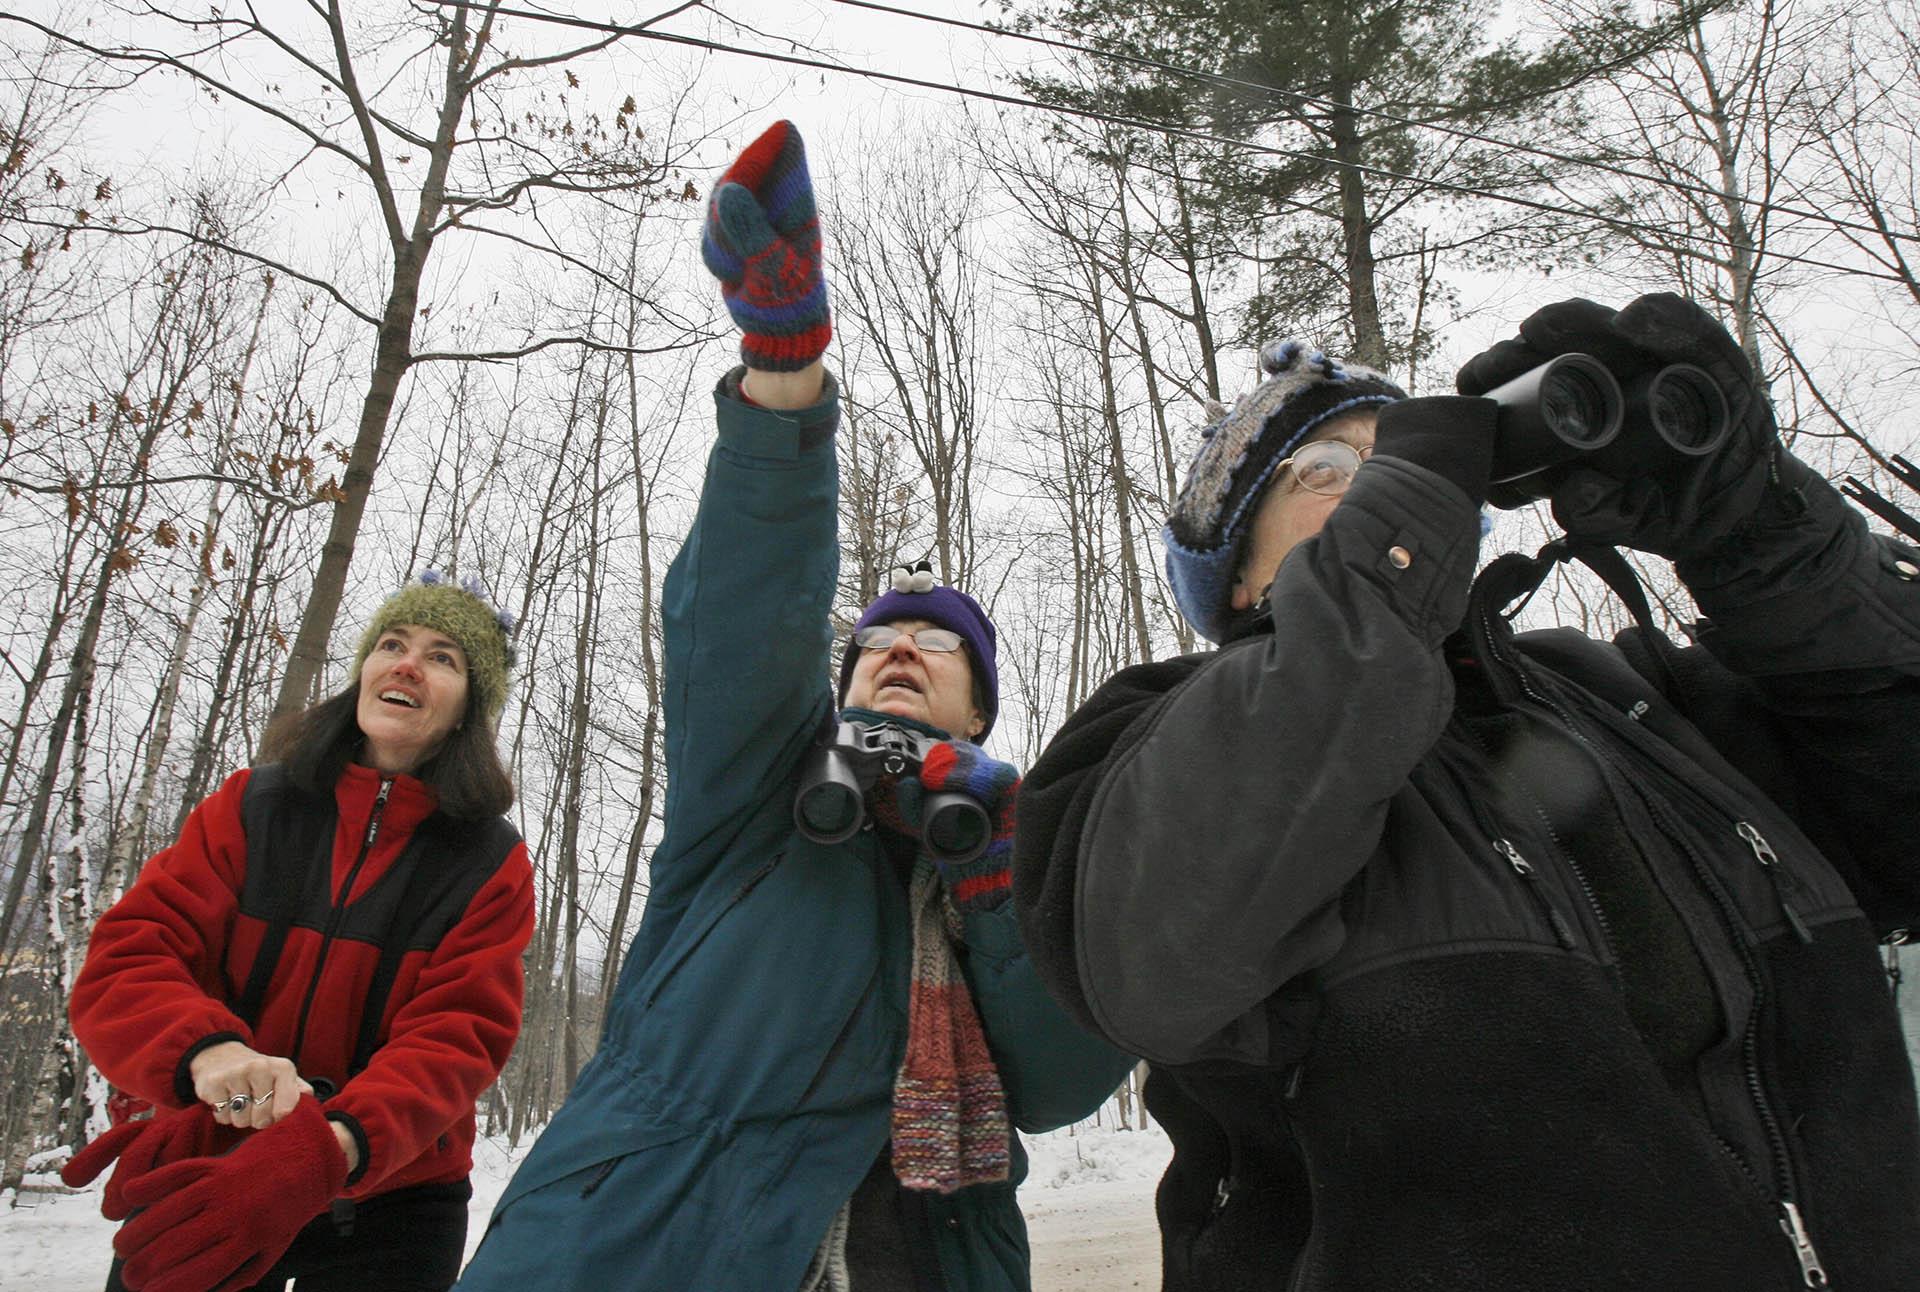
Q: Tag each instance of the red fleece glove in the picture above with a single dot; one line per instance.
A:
(221, 1223)
(143, 1146)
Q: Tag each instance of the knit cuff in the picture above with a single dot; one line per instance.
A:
(1450, 435)
(983, 884)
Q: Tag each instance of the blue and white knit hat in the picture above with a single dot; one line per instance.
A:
(1238, 452)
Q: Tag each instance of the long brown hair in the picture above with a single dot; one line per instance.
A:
(316, 745)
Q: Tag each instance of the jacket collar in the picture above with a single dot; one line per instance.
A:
(409, 802)
(1502, 590)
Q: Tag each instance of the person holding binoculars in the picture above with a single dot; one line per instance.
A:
(823, 1036)
(1467, 958)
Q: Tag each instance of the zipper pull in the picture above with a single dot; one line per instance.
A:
(1770, 862)
(1562, 931)
(379, 806)
(1796, 1231)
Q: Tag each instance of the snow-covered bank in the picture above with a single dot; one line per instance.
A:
(1089, 1203)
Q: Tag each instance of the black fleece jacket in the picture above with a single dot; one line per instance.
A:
(1401, 1037)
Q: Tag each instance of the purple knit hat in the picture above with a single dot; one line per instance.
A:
(951, 609)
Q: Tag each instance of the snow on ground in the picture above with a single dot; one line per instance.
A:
(1088, 1200)
(1089, 1205)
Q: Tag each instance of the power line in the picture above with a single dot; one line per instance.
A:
(1135, 123)
(1412, 123)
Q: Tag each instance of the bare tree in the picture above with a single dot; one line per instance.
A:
(914, 299)
(449, 144)
(1702, 140)
(128, 427)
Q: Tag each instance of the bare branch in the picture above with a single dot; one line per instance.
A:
(375, 165)
(154, 59)
(518, 64)
(1827, 406)
(241, 483)
(585, 342)
(133, 230)
(506, 197)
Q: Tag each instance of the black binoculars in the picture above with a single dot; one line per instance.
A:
(1572, 409)
(831, 803)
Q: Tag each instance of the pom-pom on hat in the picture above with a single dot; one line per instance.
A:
(916, 596)
(463, 612)
(1239, 449)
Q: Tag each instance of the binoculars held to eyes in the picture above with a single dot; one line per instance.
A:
(831, 803)
(1571, 409)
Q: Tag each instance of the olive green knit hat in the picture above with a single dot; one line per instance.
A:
(463, 612)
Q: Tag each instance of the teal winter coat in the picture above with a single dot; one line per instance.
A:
(743, 1085)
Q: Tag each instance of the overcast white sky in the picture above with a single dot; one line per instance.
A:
(166, 129)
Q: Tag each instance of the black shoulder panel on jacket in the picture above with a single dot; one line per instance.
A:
(411, 907)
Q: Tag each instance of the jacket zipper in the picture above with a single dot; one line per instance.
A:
(339, 913)
(734, 899)
(1792, 1224)
(1796, 1230)
(1530, 882)
(1776, 874)
(1608, 951)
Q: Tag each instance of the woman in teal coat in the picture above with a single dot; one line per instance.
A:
(815, 1049)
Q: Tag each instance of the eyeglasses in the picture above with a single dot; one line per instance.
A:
(883, 636)
(1326, 466)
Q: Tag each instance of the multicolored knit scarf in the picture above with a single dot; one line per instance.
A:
(949, 1106)
(950, 1125)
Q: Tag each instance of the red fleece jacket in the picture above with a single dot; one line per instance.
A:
(177, 946)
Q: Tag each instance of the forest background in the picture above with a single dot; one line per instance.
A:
(299, 298)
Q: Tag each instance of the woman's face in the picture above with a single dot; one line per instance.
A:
(413, 694)
(1290, 515)
(934, 687)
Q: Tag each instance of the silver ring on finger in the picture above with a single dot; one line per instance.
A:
(238, 1104)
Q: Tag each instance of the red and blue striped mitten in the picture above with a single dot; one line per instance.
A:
(762, 241)
(954, 765)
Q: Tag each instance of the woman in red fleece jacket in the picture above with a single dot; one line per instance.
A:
(317, 980)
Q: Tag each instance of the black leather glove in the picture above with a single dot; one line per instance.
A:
(1679, 508)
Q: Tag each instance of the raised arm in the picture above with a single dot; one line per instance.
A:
(1823, 618)
(1185, 837)
(747, 597)
(1819, 616)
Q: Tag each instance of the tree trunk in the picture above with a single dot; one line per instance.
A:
(393, 350)
(1356, 227)
(392, 358)
(650, 679)
(1196, 292)
(1121, 476)
(578, 735)
(1742, 267)
(116, 556)
(238, 653)
(131, 840)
